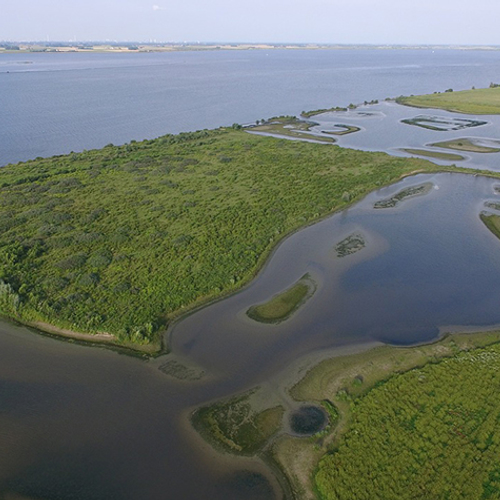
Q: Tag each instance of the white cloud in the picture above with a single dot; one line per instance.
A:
(157, 7)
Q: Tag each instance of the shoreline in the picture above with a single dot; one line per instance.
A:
(131, 47)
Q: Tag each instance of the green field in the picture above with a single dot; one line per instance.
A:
(476, 101)
(283, 305)
(123, 239)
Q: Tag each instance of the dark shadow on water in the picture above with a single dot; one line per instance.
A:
(246, 485)
(408, 336)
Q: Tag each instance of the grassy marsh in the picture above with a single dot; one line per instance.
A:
(290, 126)
(344, 382)
(280, 307)
(352, 244)
(476, 101)
(441, 123)
(344, 130)
(466, 144)
(492, 222)
(439, 155)
(404, 194)
(238, 425)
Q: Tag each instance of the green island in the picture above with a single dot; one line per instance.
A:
(290, 126)
(440, 123)
(280, 307)
(404, 194)
(475, 101)
(466, 144)
(492, 221)
(344, 130)
(112, 245)
(439, 155)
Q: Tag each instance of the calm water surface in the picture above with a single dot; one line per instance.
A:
(57, 103)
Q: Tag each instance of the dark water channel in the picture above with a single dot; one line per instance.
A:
(86, 423)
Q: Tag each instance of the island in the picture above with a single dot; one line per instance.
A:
(112, 245)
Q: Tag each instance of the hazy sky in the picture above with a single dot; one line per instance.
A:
(325, 21)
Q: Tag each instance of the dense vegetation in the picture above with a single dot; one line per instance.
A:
(475, 101)
(123, 238)
(429, 433)
(346, 380)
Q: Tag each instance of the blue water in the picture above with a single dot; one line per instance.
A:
(57, 103)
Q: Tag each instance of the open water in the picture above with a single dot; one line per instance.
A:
(56, 103)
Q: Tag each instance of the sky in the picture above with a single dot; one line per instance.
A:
(462, 22)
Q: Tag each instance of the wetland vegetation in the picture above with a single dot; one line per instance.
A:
(492, 221)
(342, 129)
(439, 155)
(290, 126)
(124, 239)
(352, 244)
(239, 425)
(280, 307)
(442, 123)
(403, 195)
(475, 101)
(429, 433)
(408, 420)
(467, 144)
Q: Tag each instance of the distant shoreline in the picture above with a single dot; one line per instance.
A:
(131, 47)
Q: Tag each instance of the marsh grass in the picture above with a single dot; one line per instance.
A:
(280, 307)
(439, 155)
(343, 382)
(236, 426)
(465, 144)
(476, 101)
